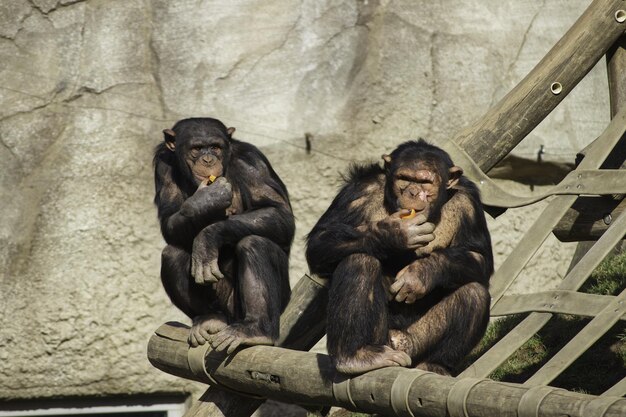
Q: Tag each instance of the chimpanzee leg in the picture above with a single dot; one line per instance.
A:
(448, 331)
(191, 298)
(194, 300)
(262, 291)
(357, 317)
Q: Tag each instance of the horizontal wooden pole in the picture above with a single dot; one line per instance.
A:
(588, 219)
(555, 301)
(310, 379)
(495, 134)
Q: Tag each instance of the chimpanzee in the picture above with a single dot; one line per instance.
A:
(226, 218)
(398, 295)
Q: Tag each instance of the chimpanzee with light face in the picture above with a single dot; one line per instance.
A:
(409, 256)
(227, 220)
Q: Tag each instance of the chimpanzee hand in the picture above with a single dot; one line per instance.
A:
(204, 256)
(209, 198)
(400, 233)
(411, 284)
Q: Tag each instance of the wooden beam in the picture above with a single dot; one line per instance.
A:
(310, 379)
(588, 219)
(492, 137)
(555, 301)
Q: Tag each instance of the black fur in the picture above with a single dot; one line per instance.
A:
(361, 265)
(254, 242)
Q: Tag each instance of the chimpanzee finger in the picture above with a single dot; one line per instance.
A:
(401, 296)
(214, 271)
(396, 286)
(222, 346)
(234, 345)
(204, 334)
(402, 358)
(410, 298)
(197, 272)
(192, 339)
(417, 220)
(216, 339)
(420, 240)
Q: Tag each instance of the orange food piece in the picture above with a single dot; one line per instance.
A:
(410, 215)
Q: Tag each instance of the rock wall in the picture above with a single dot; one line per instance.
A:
(87, 86)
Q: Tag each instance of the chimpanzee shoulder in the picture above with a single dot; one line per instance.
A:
(250, 169)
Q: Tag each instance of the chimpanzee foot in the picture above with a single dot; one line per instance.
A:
(204, 326)
(433, 367)
(236, 334)
(372, 357)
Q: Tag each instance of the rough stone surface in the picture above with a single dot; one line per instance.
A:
(87, 86)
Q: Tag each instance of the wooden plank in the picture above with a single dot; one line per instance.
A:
(504, 348)
(309, 378)
(556, 302)
(493, 136)
(593, 331)
(588, 219)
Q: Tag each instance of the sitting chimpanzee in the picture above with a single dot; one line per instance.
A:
(399, 296)
(226, 217)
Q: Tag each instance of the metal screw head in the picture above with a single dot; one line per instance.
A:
(620, 16)
(607, 219)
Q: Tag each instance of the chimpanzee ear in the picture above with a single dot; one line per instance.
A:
(454, 174)
(170, 139)
(230, 131)
(387, 159)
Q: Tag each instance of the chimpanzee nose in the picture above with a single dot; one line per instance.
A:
(208, 159)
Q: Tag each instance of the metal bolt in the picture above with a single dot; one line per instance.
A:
(620, 16)
(607, 219)
(556, 88)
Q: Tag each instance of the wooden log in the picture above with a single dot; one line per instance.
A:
(310, 379)
(588, 219)
(302, 325)
(493, 136)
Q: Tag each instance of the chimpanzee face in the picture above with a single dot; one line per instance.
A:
(202, 148)
(418, 186)
(419, 182)
(204, 156)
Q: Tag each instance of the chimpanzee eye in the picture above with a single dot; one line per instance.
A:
(402, 184)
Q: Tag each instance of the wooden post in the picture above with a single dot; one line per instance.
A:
(310, 379)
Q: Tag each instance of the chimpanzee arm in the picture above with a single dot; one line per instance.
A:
(349, 227)
(468, 259)
(274, 223)
(182, 218)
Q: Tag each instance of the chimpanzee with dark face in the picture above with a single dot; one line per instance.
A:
(409, 256)
(227, 220)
